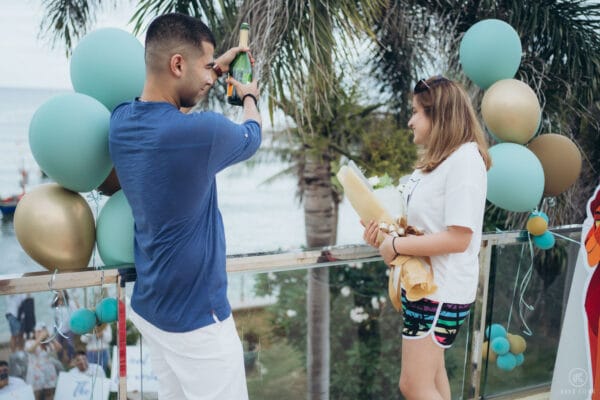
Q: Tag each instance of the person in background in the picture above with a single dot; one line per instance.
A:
(167, 161)
(27, 317)
(98, 346)
(445, 198)
(13, 302)
(41, 369)
(80, 365)
(9, 384)
(63, 308)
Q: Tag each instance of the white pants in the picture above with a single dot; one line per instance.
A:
(203, 364)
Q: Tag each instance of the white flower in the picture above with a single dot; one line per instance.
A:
(375, 303)
(358, 315)
(291, 313)
(373, 181)
(271, 276)
(345, 291)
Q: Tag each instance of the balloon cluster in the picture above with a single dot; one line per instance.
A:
(503, 348)
(68, 137)
(537, 226)
(523, 170)
(84, 320)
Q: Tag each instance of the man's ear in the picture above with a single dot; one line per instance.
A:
(176, 64)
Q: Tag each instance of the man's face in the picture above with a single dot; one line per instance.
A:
(199, 76)
(81, 362)
(3, 376)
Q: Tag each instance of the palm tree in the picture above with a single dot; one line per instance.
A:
(561, 62)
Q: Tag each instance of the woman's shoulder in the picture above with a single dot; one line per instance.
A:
(466, 153)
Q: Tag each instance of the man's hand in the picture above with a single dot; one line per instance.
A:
(227, 58)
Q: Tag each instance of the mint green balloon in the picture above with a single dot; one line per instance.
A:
(106, 310)
(490, 51)
(68, 137)
(515, 182)
(114, 231)
(108, 64)
(82, 321)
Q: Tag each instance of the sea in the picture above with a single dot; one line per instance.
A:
(260, 213)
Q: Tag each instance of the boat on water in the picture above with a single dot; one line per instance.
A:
(8, 205)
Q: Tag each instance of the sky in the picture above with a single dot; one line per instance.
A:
(29, 61)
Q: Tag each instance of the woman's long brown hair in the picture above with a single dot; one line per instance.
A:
(453, 123)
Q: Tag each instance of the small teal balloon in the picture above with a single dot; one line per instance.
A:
(114, 231)
(68, 137)
(515, 182)
(520, 358)
(506, 362)
(108, 65)
(82, 321)
(500, 345)
(539, 214)
(495, 330)
(544, 241)
(490, 51)
(106, 310)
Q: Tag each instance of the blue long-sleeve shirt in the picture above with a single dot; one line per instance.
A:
(166, 162)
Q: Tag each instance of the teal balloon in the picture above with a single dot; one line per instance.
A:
(520, 358)
(490, 51)
(68, 137)
(114, 231)
(539, 214)
(500, 345)
(515, 182)
(108, 65)
(106, 310)
(506, 362)
(82, 321)
(545, 241)
(495, 330)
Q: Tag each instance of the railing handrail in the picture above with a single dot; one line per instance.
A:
(240, 263)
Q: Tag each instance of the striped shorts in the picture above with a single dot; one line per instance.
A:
(426, 316)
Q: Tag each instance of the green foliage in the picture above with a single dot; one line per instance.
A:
(365, 360)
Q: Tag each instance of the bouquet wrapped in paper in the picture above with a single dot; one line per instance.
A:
(415, 274)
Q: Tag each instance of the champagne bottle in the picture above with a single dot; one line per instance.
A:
(240, 68)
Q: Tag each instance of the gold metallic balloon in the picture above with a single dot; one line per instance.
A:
(537, 225)
(561, 161)
(511, 111)
(517, 343)
(55, 226)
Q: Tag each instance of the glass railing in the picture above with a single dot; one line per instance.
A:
(268, 292)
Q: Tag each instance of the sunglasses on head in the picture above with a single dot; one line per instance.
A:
(423, 85)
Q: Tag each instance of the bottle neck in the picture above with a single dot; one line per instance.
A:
(243, 37)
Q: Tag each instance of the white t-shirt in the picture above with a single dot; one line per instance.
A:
(94, 370)
(452, 194)
(14, 383)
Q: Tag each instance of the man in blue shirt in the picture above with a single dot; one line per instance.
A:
(166, 161)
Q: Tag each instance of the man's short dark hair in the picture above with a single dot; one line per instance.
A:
(81, 353)
(3, 363)
(178, 29)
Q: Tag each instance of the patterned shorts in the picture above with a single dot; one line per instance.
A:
(427, 316)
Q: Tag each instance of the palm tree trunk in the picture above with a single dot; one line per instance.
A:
(320, 213)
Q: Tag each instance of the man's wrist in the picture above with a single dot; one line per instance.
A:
(250, 95)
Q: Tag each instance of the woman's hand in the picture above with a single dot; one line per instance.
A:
(371, 233)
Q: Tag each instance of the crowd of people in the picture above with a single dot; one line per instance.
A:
(39, 353)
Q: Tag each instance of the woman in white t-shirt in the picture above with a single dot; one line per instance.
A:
(445, 198)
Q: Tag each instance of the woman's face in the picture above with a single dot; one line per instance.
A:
(419, 123)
